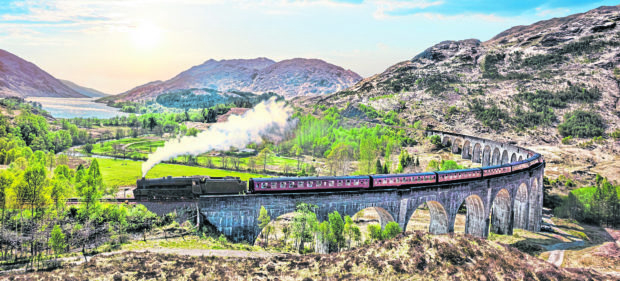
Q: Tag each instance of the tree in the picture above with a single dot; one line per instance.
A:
(252, 164)
(36, 186)
(340, 155)
(378, 167)
(264, 157)
(263, 221)
(336, 227)
(151, 123)
(6, 181)
(375, 231)
(297, 151)
(59, 190)
(392, 229)
(88, 148)
(57, 240)
(304, 223)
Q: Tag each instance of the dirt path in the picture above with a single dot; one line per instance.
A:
(556, 256)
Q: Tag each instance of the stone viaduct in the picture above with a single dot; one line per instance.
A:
(498, 204)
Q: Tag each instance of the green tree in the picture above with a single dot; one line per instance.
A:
(374, 230)
(378, 167)
(57, 240)
(336, 233)
(392, 229)
(264, 157)
(263, 221)
(60, 188)
(151, 122)
(304, 224)
(6, 181)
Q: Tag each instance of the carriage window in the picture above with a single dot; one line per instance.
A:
(356, 182)
(331, 183)
(291, 184)
(283, 185)
(348, 182)
(263, 185)
(309, 184)
(339, 183)
(318, 183)
(300, 184)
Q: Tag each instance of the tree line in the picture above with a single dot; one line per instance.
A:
(597, 204)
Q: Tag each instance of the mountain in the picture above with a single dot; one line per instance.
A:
(21, 78)
(288, 78)
(524, 80)
(89, 92)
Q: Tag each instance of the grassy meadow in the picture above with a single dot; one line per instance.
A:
(126, 172)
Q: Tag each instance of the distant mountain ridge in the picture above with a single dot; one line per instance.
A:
(288, 78)
(90, 92)
(21, 78)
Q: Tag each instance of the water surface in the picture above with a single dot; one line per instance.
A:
(74, 107)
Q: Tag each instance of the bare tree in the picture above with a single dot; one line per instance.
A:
(236, 162)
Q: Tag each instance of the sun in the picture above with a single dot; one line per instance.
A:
(146, 36)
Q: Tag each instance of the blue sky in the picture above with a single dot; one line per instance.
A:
(115, 45)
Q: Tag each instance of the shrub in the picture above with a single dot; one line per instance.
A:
(567, 140)
(392, 229)
(582, 124)
(435, 139)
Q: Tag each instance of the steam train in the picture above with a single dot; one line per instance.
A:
(175, 188)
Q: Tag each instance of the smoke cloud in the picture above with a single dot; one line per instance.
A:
(268, 118)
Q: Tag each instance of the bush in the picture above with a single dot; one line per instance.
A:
(582, 124)
(392, 229)
(435, 139)
(615, 134)
(567, 140)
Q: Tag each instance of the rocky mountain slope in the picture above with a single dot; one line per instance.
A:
(288, 78)
(21, 78)
(519, 84)
(89, 92)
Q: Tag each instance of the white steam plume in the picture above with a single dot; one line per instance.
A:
(268, 117)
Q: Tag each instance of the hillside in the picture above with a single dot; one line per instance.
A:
(518, 85)
(89, 92)
(287, 78)
(21, 78)
(416, 256)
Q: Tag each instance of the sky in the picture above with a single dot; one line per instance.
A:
(116, 45)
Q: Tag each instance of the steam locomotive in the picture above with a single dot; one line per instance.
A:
(192, 187)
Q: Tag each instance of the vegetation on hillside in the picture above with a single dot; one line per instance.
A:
(205, 98)
(407, 257)
(599, 204)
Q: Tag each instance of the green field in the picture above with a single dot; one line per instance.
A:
(126, 172)
(135, 147)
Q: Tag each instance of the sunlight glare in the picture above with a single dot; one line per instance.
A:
(146, 36)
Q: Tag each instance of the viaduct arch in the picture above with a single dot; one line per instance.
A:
(498, 204)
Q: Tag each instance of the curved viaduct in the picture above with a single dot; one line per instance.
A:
(498, 204)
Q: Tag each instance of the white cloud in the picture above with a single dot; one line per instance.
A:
(385, 7)
(547, 13)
